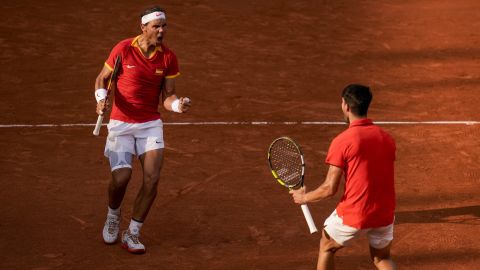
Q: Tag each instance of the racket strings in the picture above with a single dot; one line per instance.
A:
(286, 161)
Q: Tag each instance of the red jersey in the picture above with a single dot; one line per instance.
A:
(367, 154)
(139, 81)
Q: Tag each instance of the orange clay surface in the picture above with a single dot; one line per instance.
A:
(218, 206)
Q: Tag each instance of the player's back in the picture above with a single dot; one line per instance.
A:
(369, 155)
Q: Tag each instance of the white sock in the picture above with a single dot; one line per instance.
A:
(115, 212)
(135, 227)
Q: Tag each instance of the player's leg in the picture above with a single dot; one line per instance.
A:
(381, 258)
(152, 164)
(326, 253)
(116, 191)
(380, 243)
(149, 145)
(119, 150)
(121, 166)
(118, 185)
(335, 236)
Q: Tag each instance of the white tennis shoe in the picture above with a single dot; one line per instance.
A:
(111, 229)
(131, 243)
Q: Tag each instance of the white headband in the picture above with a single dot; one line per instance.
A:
(153, 16)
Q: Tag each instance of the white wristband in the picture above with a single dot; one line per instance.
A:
(176, 106)
(100, 94)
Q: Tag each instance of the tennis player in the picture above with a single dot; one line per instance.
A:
(146, 77)
(365, 154)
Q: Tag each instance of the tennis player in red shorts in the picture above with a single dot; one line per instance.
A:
(146, 77)
(365, 154)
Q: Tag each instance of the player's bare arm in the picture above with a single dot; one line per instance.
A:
(101, 83)
(327, 189)
(170, 100)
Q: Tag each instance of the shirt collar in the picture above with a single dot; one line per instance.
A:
(361, 122)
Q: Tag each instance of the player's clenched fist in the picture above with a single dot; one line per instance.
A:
(185, 104)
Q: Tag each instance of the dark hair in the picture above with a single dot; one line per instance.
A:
(151, 10)
(358, 97)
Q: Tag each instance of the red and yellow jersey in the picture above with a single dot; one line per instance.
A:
(366, 153)
(139, 81)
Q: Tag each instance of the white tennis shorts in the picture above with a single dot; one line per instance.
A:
(136, 138)
(343, 234)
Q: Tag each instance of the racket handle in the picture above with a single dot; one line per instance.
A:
(308, 217)
(98, 125)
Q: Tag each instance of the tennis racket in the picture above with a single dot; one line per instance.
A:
(288, 168)
(116, 67)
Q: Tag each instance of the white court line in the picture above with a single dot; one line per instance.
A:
(254, 123)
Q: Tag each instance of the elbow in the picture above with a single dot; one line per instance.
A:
(330, 191)
(97, 84)
(100, 82)
(329, 194)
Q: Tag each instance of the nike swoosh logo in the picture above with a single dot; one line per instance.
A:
(129, 66)
(158, 142)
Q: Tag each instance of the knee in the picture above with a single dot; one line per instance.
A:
(120, 178)
(118, 184)
(329, 249)
(376, 259)
(384, 263)
(151, 178)
(150, 184)
(381, 259)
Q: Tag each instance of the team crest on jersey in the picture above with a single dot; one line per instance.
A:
(158, 71)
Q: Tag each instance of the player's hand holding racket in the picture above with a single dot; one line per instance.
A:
(288, 168)
(104, 104)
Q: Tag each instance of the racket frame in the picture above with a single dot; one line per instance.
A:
(305, 210)
(275, 174)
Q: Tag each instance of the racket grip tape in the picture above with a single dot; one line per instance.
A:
(98, 125)
(309, 219)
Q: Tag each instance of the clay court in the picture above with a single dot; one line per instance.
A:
(241, 61)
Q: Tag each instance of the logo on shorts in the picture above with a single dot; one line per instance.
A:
(157, 141)
(158, 71)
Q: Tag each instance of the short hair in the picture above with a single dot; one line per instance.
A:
(151, 10)
(358, 97)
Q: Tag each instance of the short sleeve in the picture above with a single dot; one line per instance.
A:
(172, 68)
(117, 50)
(335, 155)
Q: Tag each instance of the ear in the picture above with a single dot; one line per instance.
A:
(345, 106)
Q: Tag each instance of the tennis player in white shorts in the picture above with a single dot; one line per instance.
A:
(127, 139)
(364, 155)
(146, 73)
(343, 234)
